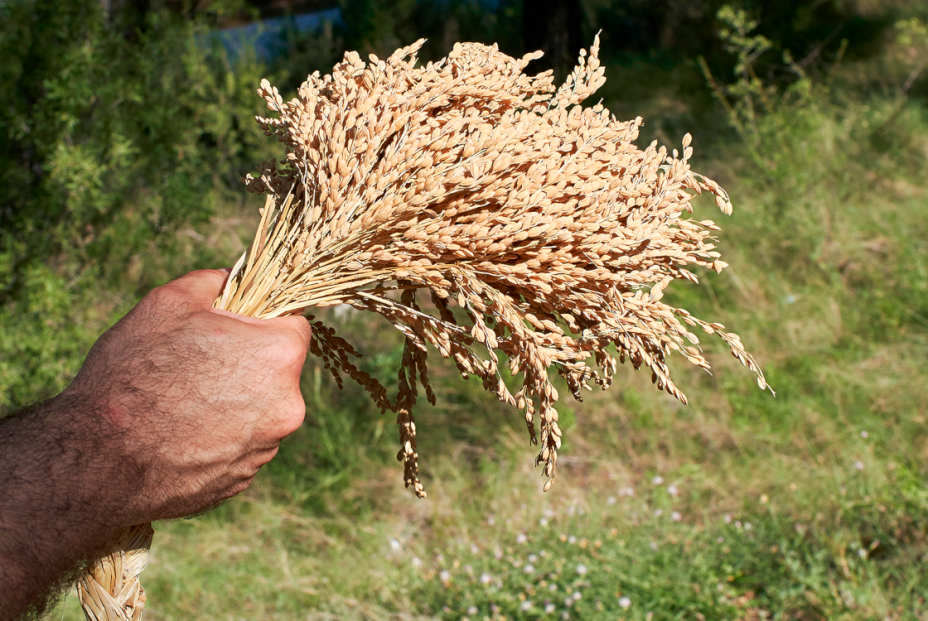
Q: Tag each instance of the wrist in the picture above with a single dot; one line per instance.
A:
(63, 481)
(47, 527)
(95, 459)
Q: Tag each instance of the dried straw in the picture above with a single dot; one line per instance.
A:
(111, 590)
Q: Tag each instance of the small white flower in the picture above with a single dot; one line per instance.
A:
(416, 561)
(532, 558)
(654, 545)
(552, 587)
(610, 500)
(542, 554)
(675, 516)
(521, 538)
(543, 521)
(486, 578)
(737, 523)
(625, 603)
(581, 569)
(529, 568)
(577, 596)
(672, 490)
(571, 540)
(472, 610)
(658, 512)
(747, 526)
(526, 605)
(568, 601)
(727, 518)
(565, 615)
(864, 435)
(491, 520)
(658, 480)
(497, 554)
(858, 465)
(862, 553)
(474, 549)
(629, 491)
(394, 544)
(445, 576)
(549, 608)
(549, 513)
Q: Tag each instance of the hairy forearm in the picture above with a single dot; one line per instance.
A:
(60, 470)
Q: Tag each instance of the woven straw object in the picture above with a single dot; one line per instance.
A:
(111, 590)
(481, 211)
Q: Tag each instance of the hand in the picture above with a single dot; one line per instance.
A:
(199, 399)
(176, 408)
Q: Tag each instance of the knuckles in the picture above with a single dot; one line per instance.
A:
(288, 354)
(165, 297)
(291, 416)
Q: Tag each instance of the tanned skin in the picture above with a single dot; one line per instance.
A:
(174, 410)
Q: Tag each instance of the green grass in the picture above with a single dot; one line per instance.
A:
(809, 505)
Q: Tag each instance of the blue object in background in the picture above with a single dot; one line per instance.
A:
(267, 36)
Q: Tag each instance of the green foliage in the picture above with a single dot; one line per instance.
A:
(114, 132)
(591, 565)
(737, 35)
(46, 350)
(913, 38)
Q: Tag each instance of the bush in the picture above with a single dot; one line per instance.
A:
(115, 130)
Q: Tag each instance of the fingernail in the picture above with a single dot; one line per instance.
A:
(227, 270)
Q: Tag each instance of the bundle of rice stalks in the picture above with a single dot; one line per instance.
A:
(492, 193)
(479, 210)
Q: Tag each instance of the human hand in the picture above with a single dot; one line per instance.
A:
(197, 399)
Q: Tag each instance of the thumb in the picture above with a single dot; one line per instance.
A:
(201, 287)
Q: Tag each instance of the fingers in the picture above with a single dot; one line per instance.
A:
(291, 417)
(236, 489)
(284, 341)
(262, 458)
(200, 288)
(291, 355)
(297, 326)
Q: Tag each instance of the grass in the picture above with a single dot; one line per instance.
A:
(810, 505)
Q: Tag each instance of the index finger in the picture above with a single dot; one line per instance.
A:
(200, 288)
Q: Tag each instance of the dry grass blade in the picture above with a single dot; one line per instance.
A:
(496, 193)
